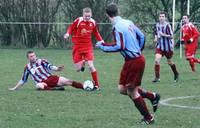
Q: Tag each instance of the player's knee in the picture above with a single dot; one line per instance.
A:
(41, 85)
(157, 62)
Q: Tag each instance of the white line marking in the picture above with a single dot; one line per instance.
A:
(164, 102)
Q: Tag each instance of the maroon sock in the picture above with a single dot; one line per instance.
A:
(157, 70)
(146, 94)
(192, 65)
(77, 85)
(173, 67)
(95, 78)
(141, 106)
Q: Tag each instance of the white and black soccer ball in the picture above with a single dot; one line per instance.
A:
(88, 85)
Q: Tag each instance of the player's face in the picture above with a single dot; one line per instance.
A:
(162, 18)
(185, 19)
(32, 57)
(87, 16)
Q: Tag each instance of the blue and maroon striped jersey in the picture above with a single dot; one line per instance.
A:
(128, 39)
(164, 43)
(39, 71)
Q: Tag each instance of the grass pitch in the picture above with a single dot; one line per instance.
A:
(72, 108)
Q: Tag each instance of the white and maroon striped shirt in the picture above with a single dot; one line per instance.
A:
(39, 71)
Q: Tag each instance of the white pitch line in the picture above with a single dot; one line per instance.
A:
(164, 102)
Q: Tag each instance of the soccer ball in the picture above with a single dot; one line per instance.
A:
(88, 85)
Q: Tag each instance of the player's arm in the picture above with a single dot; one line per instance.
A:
(97, 34)
(140, 37)
(52, 67)
(195, 33)
(169, 31)
(114, 47)
(71, 29)
(22, 81)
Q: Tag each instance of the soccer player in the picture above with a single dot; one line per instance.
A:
(81, 30)
(190, 38)
(164, 46)
(40, 72)
(129, 41)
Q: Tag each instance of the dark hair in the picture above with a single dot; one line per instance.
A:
(186, 15)
(112, 10)
(163, 12)
(29, 52)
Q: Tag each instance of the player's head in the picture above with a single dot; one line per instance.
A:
(162, 16)
(31, 56)
(185, 19)
(87, 13)
(112, 10)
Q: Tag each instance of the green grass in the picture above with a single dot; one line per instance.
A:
(72, 108)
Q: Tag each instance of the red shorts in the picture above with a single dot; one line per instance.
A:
(190, 51)
(168, 55)
(51, 81)
(132, 72)
(79, 55)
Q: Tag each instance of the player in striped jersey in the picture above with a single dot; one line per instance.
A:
(40, 72)
(129, 41)
(164, 46)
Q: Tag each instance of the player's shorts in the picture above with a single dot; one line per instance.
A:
(79, 55)
(190, 51)
(168, 54)
(51, 81)
(132, 72)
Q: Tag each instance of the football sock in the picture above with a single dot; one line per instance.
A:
(192, 65)
(146, 94)
(77, 85)
(141, 106)
(95, 78)
(157, 70)
(173, 67)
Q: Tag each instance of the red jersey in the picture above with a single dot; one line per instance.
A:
(81, 32)
(190, 32)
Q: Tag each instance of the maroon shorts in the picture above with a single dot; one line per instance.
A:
(168, 55)
(82, 55)
(132, 72)
(51, 81)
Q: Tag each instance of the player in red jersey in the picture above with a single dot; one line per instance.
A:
(40, 72)
(81, 30)
(190, 38)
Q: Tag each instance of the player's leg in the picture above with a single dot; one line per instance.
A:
(158, 57)
(64, 82)
(152, 96)
(78, 60)
(135, 69)
(89, 56)
(169, 56)
(189, 57)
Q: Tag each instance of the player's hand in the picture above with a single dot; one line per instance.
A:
(190, 41)
(98, 44)
(60, 68)
(66, 36)
(161, 33)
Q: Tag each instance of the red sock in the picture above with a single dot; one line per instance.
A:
(77, 85)
(157, 70)
(146, 94)
(95, 78)
(192, 64)
(196, 60)
(141, 106)
(173, 67)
